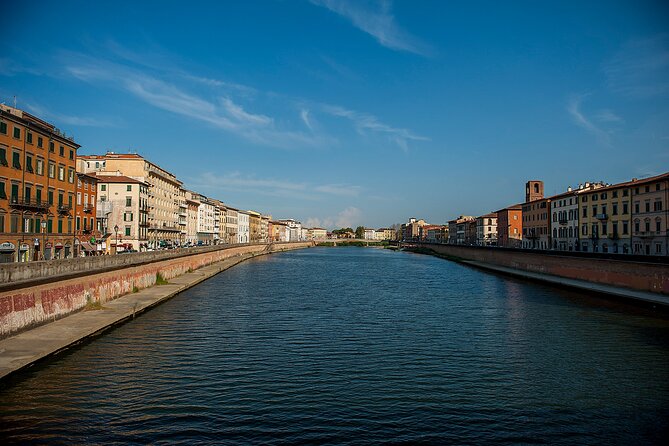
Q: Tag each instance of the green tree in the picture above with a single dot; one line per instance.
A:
(360, 232)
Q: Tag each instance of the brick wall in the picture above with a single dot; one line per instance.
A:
(635, 274)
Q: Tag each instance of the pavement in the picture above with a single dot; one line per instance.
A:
(25, 349)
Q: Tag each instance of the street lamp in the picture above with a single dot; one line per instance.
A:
(43, 239)
(116, 246)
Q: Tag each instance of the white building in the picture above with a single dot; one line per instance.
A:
(243, 235)
(294, 229)
(486, 230)
(205, 222)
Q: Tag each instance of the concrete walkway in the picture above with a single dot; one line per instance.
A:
(24, 349)
(626, 293)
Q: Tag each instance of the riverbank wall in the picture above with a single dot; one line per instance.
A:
(36, 293)
(633, 276)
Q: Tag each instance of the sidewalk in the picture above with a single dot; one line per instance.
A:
(26, 348)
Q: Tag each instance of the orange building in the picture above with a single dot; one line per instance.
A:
(37, 188)
(510, 226)
(86, 232)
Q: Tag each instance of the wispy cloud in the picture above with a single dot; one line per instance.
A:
(365, 122)
(574, 109)
(375, 18)
(235, 181)
(304, 115)
(607, 115)
(224, 113)
(60, 119)
(641, 68)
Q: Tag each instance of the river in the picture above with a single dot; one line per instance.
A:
(357, 346)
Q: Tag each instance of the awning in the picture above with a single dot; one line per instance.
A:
(87, 246)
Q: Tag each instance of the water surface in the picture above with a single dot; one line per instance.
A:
(358, 346)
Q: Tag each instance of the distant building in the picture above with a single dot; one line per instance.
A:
(411, 229)
(510, 226)
(243, 227)
(317, 234)
(85, 227)
(486, 230)
(462, 230)
(650, 214)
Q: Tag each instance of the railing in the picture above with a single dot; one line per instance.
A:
(88, 208)
(31, 205)
(563, 221)
(64, 209)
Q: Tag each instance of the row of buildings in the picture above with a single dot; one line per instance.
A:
(631, 217)
(55, 203)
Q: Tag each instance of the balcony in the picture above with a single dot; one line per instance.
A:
(563, 221)
(88, 208)
(144, 224)
(602, 216)
(64, 209)
(29, 205)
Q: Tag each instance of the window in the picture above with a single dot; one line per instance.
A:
(40, 142)
(615, 209)
(604, 228)
(127, 216)
(647, 206)
(103, 187)
(14, 224)
(29, 164)
(625, 209)
(71, 154)
(636, 226)
(61, 173)
(657, 206)
(60, 226)
(61, 151)
(38, 195)
(16, 160)
(50, 197)
(127, 230)
(3, 194)
(584, 199)
(658, 225)
(636, 207)
(129, 188)
(595, 197)
(647, 225)
(78, 224)
(657, 186)
(647, 188)
(27, 193)
(51, 147)
(29, 137)
(594, 210)
(17, 133)
(85, 198)
(52, 170)
(3, 127)
(40, 166)
(603, 196)
(128, 201)
(614, 194)
(78, 198)
(70, 175)
(584, 229)
(3, 157)
(625, 192)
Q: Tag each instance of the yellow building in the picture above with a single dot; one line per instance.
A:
(605, 216)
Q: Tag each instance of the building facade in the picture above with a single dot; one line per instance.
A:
(85, 213)
(193, 204)
(164, 192)
(231, 225)
(605, 216)
(243, 229)
(510, 226)
(486, 230)
(125, 204)
(37, 188)
(650, 215)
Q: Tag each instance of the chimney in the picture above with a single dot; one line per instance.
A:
(569, 189)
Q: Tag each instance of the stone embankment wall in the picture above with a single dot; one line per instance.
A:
(633, 274)
(39, 299)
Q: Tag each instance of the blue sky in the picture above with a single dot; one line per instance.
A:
(354, 112)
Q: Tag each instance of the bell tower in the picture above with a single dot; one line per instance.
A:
(534, 190)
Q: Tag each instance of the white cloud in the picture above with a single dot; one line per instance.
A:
(60, 119)
(574, 109)
(364, 122)
(244, 117)
(304, 115)
(348, 218)
(376, 19)
(339, 189)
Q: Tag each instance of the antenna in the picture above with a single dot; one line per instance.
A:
(14, 101)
